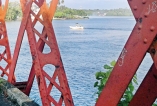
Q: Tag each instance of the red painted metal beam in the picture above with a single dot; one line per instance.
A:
(40, 59)
(131, 57)
(19, 40)
(5, 55)
(137, 7)
(147, 92)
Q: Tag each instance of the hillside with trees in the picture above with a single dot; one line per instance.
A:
(14, 12)
(68, 13)
(111, 12)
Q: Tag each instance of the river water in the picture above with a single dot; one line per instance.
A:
(83, 52)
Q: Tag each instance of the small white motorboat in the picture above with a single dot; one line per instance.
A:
(76, 27)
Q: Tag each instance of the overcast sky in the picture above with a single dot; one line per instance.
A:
(94, 4)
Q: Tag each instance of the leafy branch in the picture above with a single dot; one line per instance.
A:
(102, 78)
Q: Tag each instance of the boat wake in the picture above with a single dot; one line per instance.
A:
(109, 29)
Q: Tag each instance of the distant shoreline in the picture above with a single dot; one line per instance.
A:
(71, 18)
(89, 17)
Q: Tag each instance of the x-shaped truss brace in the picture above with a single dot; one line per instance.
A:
(45, 81)
(143, 39)
(5, 55)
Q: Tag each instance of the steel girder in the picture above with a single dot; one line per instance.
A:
(142, 40)
(37, 41)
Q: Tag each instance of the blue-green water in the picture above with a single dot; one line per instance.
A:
(84, 52)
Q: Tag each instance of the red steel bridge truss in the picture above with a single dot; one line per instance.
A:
(37, 41)
(143, 39)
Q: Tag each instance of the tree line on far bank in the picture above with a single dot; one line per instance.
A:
(65, 12)
(68, 13)
(109, 12)
(14, 12)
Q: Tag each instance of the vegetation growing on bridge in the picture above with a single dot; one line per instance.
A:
(102, 78)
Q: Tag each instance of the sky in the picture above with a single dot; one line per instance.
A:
(94, 4)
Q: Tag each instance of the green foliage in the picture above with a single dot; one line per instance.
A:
(128, 93)
(111, 12)
(102, 78)
(14, 11)
(97, 12)
(119, 12)
(60, 15)
(68, 13)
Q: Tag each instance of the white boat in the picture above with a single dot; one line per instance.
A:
(76, 27)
